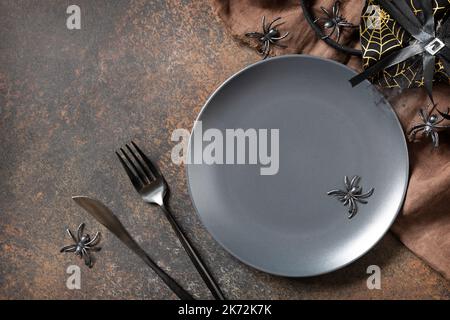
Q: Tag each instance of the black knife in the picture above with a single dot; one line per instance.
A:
(107, 218)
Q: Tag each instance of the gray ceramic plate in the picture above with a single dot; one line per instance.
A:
(286, 224)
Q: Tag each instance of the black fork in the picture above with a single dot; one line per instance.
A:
(151, 185)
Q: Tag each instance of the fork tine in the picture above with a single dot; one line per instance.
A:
(134, 180)
(146, 171)
(141, 176)
(152, 168)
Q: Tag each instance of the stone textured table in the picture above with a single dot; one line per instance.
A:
(68, 98)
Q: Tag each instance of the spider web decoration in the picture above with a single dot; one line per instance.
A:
(378, 41)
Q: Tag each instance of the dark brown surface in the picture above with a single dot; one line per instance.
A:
(137, 70)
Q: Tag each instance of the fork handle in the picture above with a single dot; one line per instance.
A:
(194, 256)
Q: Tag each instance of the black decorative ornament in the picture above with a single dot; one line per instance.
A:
(313, 22)
(333, 21)
(83, 244)
(407, 44)
(446, 116)
(429, 126)
(270, 35)
(351, 195)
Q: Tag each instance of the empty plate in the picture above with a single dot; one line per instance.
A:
(282, 219)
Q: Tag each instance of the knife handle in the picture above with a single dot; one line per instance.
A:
(107, 218)
(120, 231)
(168, 280)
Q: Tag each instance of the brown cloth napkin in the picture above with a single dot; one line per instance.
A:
(424, 223)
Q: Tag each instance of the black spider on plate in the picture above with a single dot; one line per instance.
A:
(334, 21)
(351, 195)
(429, 126)
(83, 245)
(270, 35)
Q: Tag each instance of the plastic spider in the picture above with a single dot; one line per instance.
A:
(428, 127)
(334, 21)
(83, 245)
(351, 195)
(270, 35)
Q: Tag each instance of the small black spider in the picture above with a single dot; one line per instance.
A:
(351, 195)
(334, 21)
(83, 245)
(428, 127)
(270, 35)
